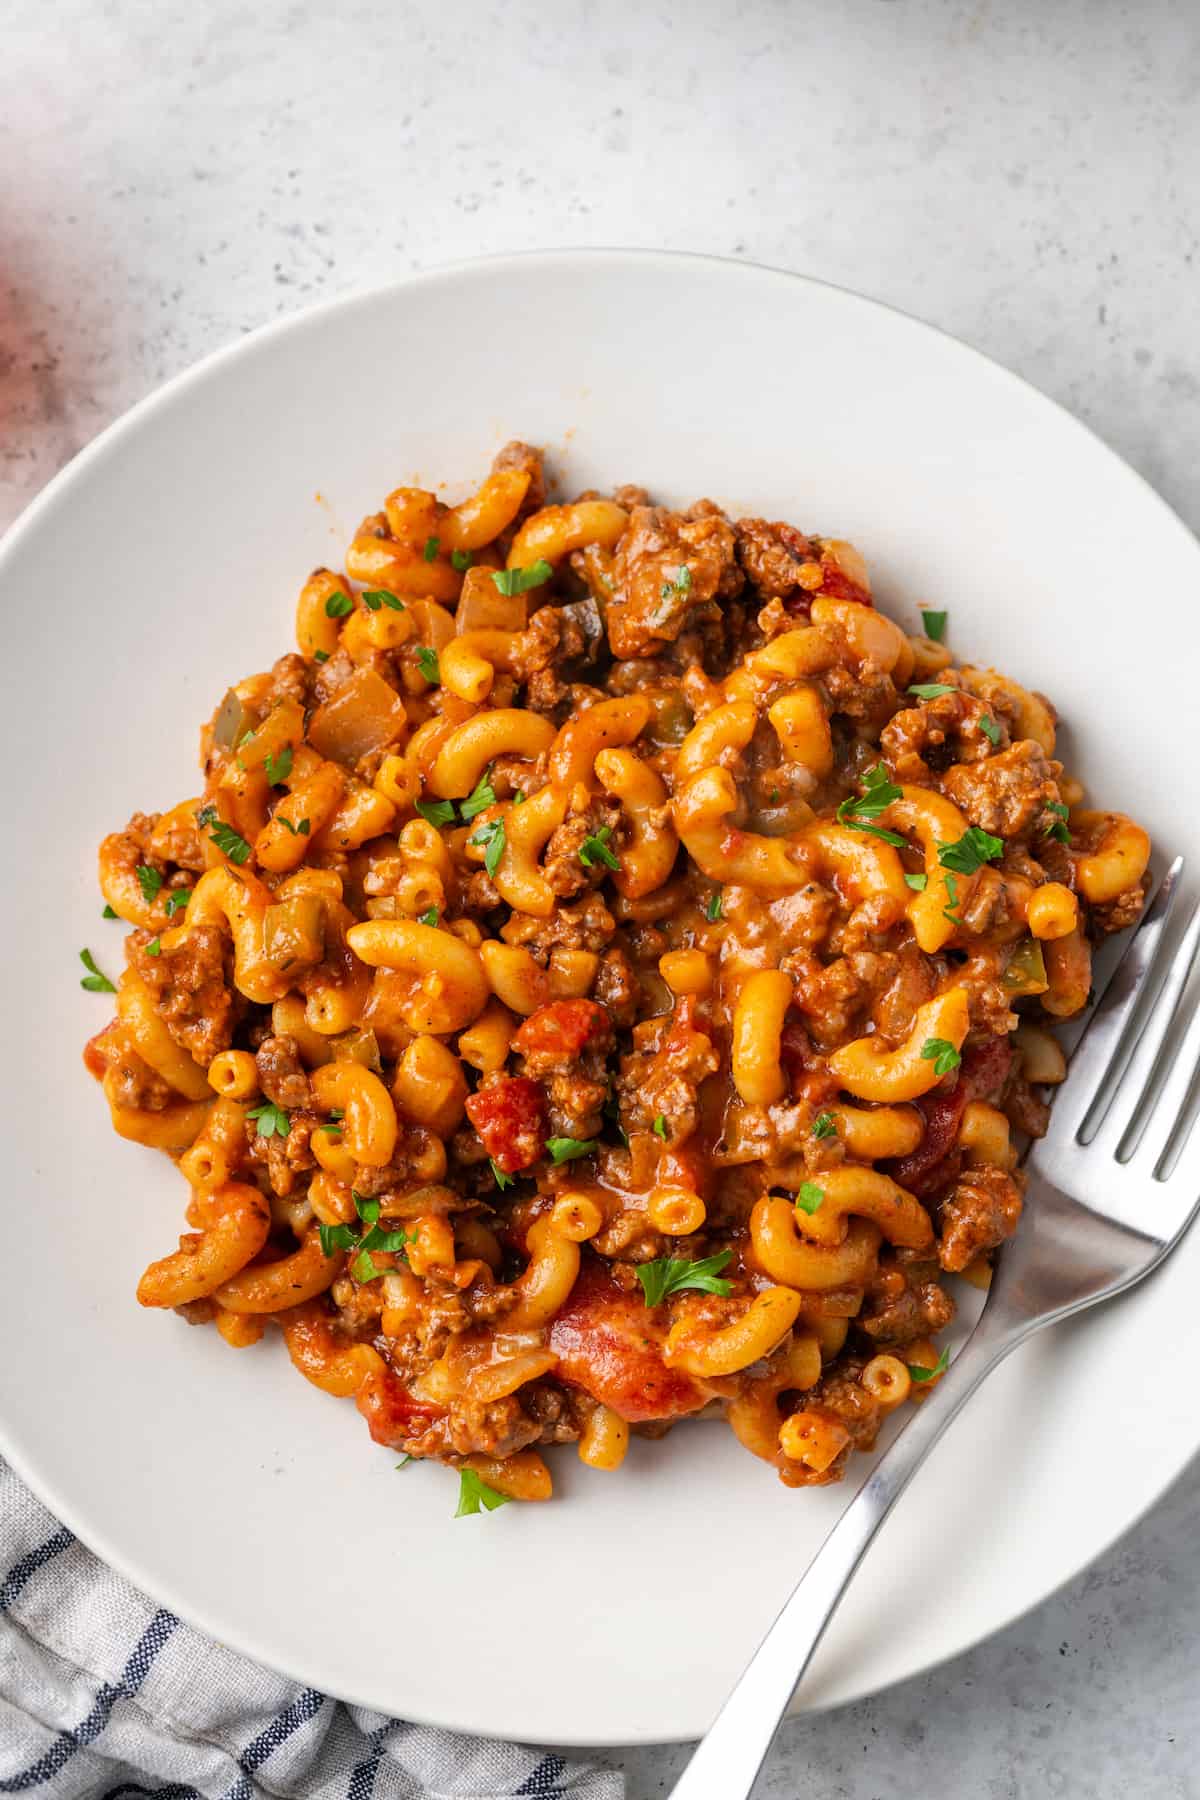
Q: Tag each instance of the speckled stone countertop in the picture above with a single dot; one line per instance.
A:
(1026, 175)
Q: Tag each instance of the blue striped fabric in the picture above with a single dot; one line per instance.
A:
(104, 1696)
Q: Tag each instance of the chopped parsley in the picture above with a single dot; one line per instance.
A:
(969, 853)
(1058, 830)
(436, 812)
(363, 1267)
(660, 1127)
(431, 548)
(273, 1121)
(149, 880)
(429, 918)
(462, 559)
(338, 605)
(595, 849)
(670, 1275)
(344, 1237)
(427, 662)
(230, 842)
(374, 598)
(929, 690)
(108, 912)
(473, 1492)
(336, 1237)
(948, 912)
(990, 729)
(682, 584)
(501, 1176)
(941, 1053)
(566, 1149)
(154, 947)
(809, 1197)
(918, 883)
(824, 1125)
(278, 768)
(491, 839)
(481, 796)
(94, 981)
(519, 581)
(177, 899)
(712, 911)
(935, 625)
(920, 1373)
(857, 809)
(300, 830)
(405, 1460)
(320, 656)
(206, 816)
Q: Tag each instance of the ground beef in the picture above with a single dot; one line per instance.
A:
(137, 1085)
(587, 926)
(903, 1302)
(281, 1074)
(867, 696)
(617, 987)
(981, 1212)
(652, 604)
(564, 1035)
(285, 1157)
(665, 1080)
(562, 862)
(190, 989)
(1006, 792)
(917, 737)
(779, 561)
(291, 679)
(1026, 1109)
(516, 455)
(1119, 914)
(490, 1428)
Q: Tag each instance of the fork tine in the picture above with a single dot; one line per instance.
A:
(1167, 1107)
(1101, 1051)
(1135, 1098)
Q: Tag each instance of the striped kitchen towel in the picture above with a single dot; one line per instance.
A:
(102, 1693)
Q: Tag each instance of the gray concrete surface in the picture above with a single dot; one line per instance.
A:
(1025, 175)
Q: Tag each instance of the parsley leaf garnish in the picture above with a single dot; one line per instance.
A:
(595, 849)
(300, 830)
(929, 690)
(367, 1210)
(363, 1267)
(918, 883)
(566, 1149)
(429, 918)
(990, 729)
(338, 605)
(824, 1125)
(809, 1196)
(149, 880)
(273, 1120)
(858, 808)
(154, 947)
(462, 560)
(935, 625)
(473, 1493)
(436, 812)
(230, 842)
(431, 548)
(919, 1373)
(491, 839)
(501, 1177)
(320, 656)
(969, 853)
(108, 912)
(670, 1275)
(682, 584)
(278, 768)
(405, 1460)
(336, 1237)
(660, 1127)
(712, 911)
(941, 1053)
(206, 816)
(1058, 830)
(374, 598)
(519, 581)
(427, 662)
(482, 796)
(95, 982)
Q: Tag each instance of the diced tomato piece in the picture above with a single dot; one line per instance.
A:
(933, 1164)
(835, 582)
(985, 1069)
(561, 1029)
(390, 1410)
(609, 1344)
(95, 1061)
(510, 1117)
(808, 1074)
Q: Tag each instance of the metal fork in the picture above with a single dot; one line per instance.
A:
(1113, 1187)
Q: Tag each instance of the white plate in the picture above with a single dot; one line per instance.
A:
(165, 562)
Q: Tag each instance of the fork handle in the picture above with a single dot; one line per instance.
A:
(729, 1757)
